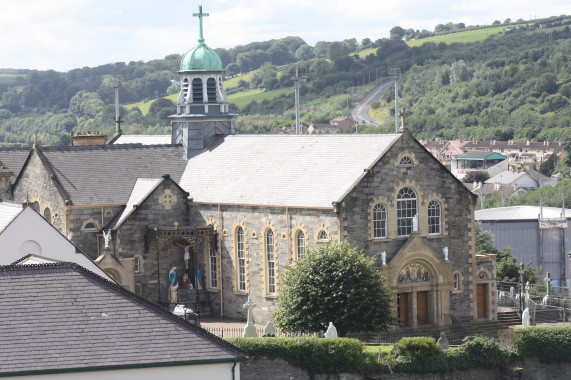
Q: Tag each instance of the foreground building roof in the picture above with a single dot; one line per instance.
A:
(61, 317)
(519, 213)
(282, 170)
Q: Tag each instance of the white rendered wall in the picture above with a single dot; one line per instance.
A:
(221, 371)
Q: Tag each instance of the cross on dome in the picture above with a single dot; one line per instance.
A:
(200, 15)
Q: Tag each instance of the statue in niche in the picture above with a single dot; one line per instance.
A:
(445, 250)
(185, 283)
(107, 237)
(384, 257)
(173, 286)
(186, 254)
(199, 278)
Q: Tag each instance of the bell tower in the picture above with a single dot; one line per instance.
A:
(202, 105)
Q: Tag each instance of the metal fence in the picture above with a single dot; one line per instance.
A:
(235, 332)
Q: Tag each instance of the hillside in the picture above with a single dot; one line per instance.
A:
(509, 84)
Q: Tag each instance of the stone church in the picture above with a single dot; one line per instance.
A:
(226, 214)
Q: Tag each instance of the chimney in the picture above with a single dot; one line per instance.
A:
(82, 139)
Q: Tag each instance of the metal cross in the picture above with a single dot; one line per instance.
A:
(175, 224)
(200, 15)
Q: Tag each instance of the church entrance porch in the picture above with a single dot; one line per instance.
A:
(422, 308)
(482, 301)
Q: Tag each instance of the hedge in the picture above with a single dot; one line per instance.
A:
(314, 355)
(548, 344)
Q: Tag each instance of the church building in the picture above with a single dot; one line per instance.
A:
(221, 216)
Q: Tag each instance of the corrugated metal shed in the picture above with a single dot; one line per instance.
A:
(519, 228)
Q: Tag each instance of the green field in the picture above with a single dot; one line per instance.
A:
(233, 82)
(10, 78)
(240, 99)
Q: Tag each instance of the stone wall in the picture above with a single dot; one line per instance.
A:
(37, 185)
(431, 181)
(262, 368)
(255, 221)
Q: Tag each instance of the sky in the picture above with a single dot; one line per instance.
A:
(67, 34)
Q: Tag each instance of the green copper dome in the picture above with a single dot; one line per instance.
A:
(201, 58)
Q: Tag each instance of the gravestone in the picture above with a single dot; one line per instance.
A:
(270, 329)
(443, 341)
(250, 329)
(331, 331)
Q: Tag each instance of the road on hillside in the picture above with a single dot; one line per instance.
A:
(361, 112)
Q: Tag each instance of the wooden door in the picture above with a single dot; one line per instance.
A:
(422, 308)
(403, 309)
(482, 300)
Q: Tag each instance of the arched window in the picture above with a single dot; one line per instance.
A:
(406, 160)
(270, 263)
(456, 281)
(406, 210)
(241, 257)
(300, 243)
(48, 214)
(322, 236)
(434, 218)
(36, 206)
(213, 263)
(90, 227)
(197, 90)
(380, 221)
(211, 90)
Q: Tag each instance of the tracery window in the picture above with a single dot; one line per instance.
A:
(434, 218)
(406, 210)
(406, 160)
(241, 257)
(270, 263)
(379, 221)
(322, 236)
(300, 243)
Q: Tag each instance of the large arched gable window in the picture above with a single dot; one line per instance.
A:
(379, 221)
(406, 210)
(434, 218)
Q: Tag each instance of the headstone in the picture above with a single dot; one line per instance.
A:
(331, 331)
(250, 329)
(270, 329)
(525, 317)
(443, 341)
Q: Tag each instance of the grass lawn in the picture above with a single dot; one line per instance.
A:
(245, 97)
(375, 349)
(233, 82)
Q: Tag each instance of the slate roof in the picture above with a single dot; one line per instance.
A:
(13, 159)
(61, 317)
(8, 211)
(106, 174)
(143, 139)
(519, 213)
(282, 170)
(508, 177)
(143, 187)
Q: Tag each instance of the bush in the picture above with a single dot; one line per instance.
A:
(418, 355)
(478, 352)
(548, 344)
(312, 354)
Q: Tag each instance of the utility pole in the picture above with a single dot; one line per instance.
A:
(118, 121)
(296, 77)
(395, 74)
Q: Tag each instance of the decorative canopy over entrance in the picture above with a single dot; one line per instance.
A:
(192, 236)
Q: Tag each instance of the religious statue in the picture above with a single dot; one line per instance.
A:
(186, 255)
(384, 257)
(250, 328)
(185, 283)
(331, 331)
(525, 317)
(445, 251)
(173, 286)
(415, 223)
(199, 278)
(107, 237)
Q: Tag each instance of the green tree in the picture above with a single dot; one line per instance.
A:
(397, 33)
(335, 283)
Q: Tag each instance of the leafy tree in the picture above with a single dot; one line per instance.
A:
(365, 43)
(476, 176)
(548, 165)
(335, 283)
(397, 33)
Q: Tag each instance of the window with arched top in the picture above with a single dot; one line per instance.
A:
(322, 235)
(48, 214)
(379, 221)
(90, 227)
(406, 160)
(211, 90)
(213, 268)
(434, 218)
(300, 244)
(197, 96)
(270, 262)
(406, 210)
(456, 281)
(36, 206)
(241, 258)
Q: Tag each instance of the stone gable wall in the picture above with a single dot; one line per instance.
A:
(431, 181)
(35, 184)
(254, 221)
